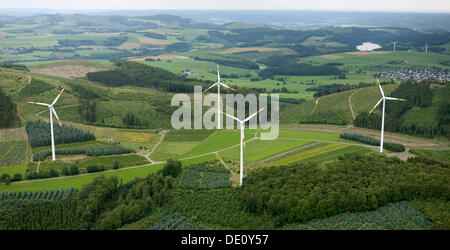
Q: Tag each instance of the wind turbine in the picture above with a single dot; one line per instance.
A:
(394, 44)
(218, 83)
(242, 123)
(383, 98)
(52, 110)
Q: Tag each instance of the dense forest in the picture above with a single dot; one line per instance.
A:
(39, 134)
(8, 111)
(287, 65)
(200, 195)
(101, 204)
(418, 94)
(324, 90)
(138, 74)
(355, 183)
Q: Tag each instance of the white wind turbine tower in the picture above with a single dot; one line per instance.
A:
(394, 44)
(242, 123)
(218, 83)
(383, 98)
(52, 110)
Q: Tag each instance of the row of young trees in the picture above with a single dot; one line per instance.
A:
(131, 120)
(396, 147)
(90, 151)
(39, 134)
(56, 195)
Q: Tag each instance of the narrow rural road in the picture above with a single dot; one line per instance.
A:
(317, 103)
(163, 134)
(350, 103)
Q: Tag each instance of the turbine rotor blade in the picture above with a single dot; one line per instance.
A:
(250, 117)
(226, 86)
(379, 85)
(210, 87)
(40, 103)
(231, 116)
(378, 103)
(395, 99)
(60, 93)
(218, 73)
(57, 118)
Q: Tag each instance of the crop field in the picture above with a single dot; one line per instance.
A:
(124, 175)
(188, 135)
(11, 170)
(412, 58)
(132, 138)
(395, 216)
(205, 69)
(234, 50)
(13, 134)
(69, 69)
(311, 153)
(221, 139)
(200, 159)
(257, 150)
(13, 153)
(166, 150)
(336, 153)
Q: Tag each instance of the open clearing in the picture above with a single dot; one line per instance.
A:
(67, 71)
(330, 57)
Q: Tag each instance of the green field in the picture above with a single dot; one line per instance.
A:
(221, 139)
(257, 150)
(13, 153)
(106, 161)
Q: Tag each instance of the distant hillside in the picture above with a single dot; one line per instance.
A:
(137, 74)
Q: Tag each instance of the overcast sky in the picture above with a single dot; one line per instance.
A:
(342, 5)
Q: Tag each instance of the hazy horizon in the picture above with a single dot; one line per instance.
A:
(416, 6)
